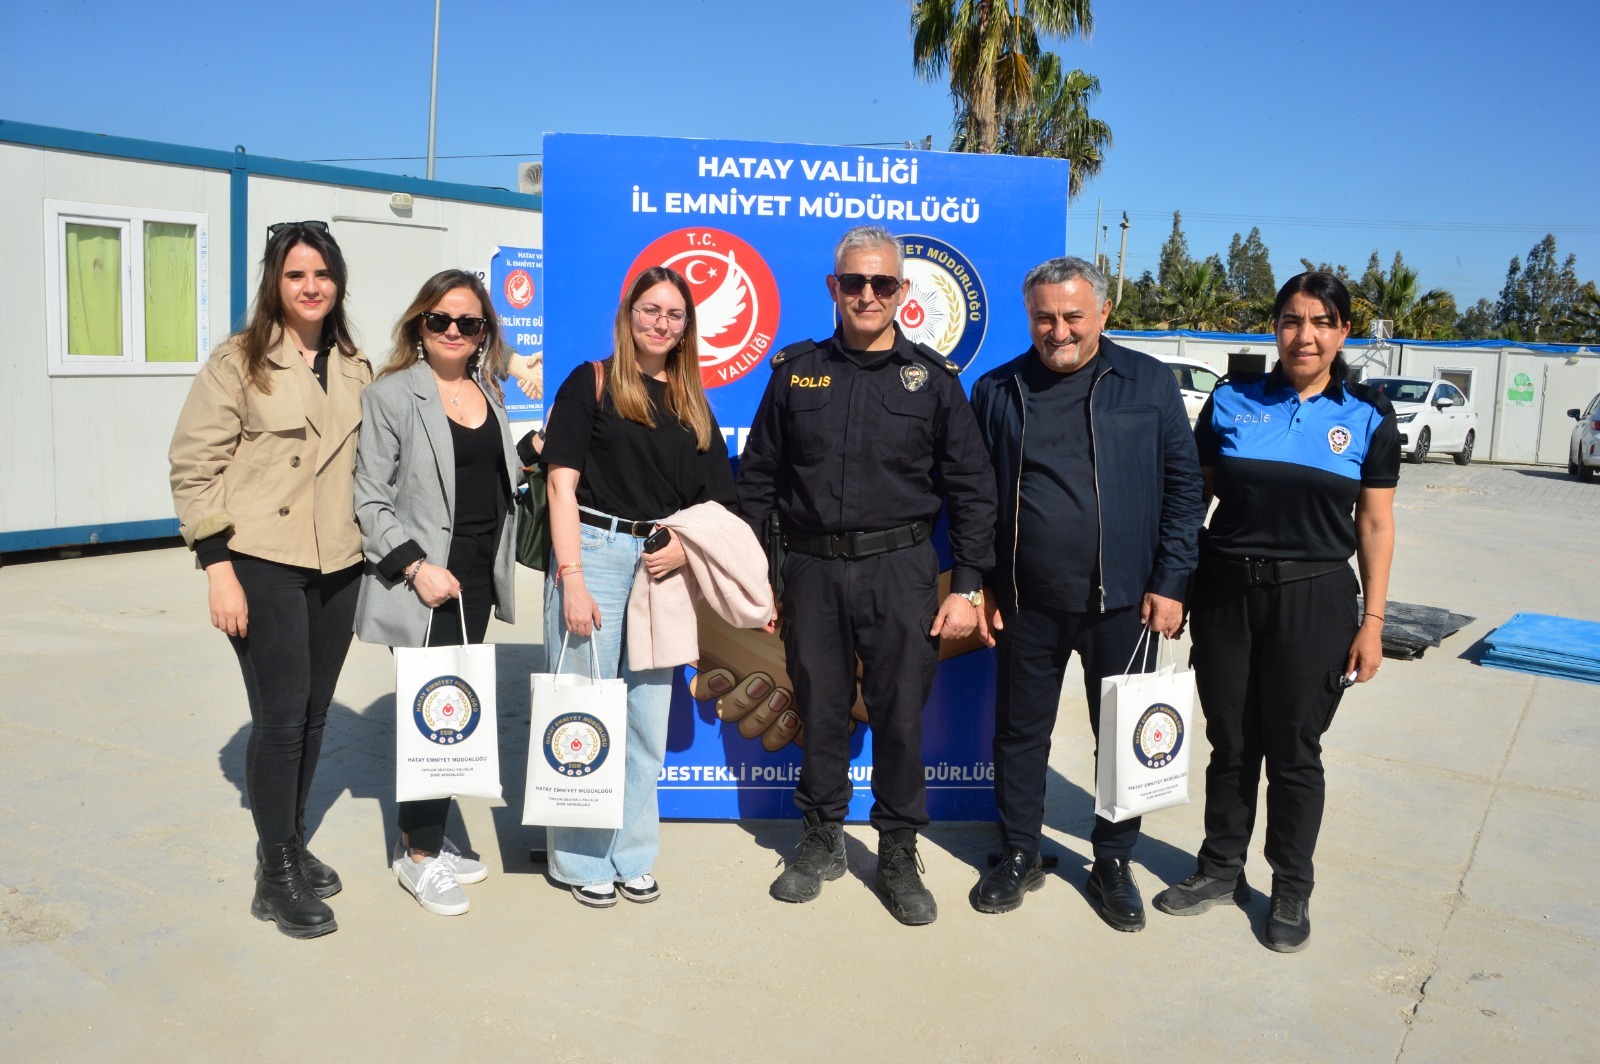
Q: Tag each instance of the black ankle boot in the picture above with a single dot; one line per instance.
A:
(284, 896)
(322, 879)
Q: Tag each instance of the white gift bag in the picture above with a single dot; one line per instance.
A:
(1144, 737)
(446, 740)
(577, 749)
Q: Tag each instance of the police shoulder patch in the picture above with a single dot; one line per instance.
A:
(932, 355)
(799, 347)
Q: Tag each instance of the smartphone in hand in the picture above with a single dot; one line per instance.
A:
(657, 539)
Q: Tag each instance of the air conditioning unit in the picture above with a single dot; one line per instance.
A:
(530, 178)
(1382, 329)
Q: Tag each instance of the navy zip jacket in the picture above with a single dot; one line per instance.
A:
(1147, 474)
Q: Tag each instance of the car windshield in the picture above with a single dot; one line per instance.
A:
(1399, 391)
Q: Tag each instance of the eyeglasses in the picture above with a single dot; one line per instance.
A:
(277, 227)
(883, 286)
(467, 324)
(649, 315)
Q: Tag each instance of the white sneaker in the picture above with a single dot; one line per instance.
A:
(641, 889)
(465, 868)
(433, 884)
(601, 896)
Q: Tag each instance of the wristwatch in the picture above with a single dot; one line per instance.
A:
(974, 597)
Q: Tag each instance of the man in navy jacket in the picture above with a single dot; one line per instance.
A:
(1100, 509)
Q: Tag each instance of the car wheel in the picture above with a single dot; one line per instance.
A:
(1464, 455)
(1574, 470)
(1420, 455)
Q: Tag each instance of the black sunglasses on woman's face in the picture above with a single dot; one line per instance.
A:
(467, 324)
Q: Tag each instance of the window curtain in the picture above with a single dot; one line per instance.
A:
(170, 292)
(94, 290)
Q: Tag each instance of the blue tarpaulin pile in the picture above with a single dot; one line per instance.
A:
(1546, 646)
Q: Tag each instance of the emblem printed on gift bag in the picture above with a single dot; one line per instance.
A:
(1143, 765)
(446, 710)
(1157, 736)
(576, 744)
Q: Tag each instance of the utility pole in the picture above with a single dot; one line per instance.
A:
(1099, 205)
(433, 88)
(1122, 255)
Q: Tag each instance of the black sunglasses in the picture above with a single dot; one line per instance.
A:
(277, 227)
(438, 323)
(883, 286)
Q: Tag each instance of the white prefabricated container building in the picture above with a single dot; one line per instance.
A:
(123, 263)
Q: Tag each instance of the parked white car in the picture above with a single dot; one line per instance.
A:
(1433, 415)
(1195, 381)
(1583, 454)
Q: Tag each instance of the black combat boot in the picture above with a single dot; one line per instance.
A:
(322, 879)
(283, 895)
(821, 857)
(898, 881)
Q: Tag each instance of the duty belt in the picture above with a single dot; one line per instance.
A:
(857, 544)
(1254, 572)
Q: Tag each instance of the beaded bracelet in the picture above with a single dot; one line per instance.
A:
(410, 574)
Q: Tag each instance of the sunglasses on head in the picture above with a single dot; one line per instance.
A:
(883, 286)
(277, 227)
(467, 324)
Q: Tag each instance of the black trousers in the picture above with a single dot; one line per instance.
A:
(300, 623)
(878, 609)
(471, 561)
(1267, 662)
(1034, 647)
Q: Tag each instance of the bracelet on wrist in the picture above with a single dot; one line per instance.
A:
(1367, 617)
(570, 567)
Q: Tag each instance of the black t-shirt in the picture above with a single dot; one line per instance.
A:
(627, 469)
(481, 487)
(1058, 520)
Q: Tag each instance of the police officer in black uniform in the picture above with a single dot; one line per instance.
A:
(859, 440)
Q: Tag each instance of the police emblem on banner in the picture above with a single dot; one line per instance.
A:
(1158, 735)
(575, 744)
(946, 307)
(1338, 439)
(735, 297)
(446, 710)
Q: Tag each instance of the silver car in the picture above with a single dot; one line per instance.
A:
(1583, 454)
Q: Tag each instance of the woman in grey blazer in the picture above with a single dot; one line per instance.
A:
(435, 469)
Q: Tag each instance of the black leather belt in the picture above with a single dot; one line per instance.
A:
(636, 529)
(858, 544)
(1254, 572)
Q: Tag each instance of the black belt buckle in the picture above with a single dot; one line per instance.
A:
(1260, 571)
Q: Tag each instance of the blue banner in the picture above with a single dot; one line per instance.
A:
(516, 284)
(752, 226)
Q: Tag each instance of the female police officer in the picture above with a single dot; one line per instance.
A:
(1303, 465)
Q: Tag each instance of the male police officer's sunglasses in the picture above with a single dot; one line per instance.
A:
(883, 286)
(467, 324)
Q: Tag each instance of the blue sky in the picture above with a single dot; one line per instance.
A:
(1459, 134)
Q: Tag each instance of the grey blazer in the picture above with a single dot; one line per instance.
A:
(406, 490)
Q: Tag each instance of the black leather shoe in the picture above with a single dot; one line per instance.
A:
(1008, 882)
(821, 858)
(320, 877)
(1200, 892)
(898, 880)
(1288, 925)
(1112, 887)
(284, 896)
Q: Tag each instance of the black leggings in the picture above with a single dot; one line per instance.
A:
(471, 562)
(299, 626)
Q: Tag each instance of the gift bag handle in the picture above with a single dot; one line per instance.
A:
(594, 666)
(461, 614)
(1142, 647)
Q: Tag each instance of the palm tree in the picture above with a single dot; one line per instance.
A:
(989, 48)
(1583, 321)
(1427, 315)
(1055, 124)
(1197, 299)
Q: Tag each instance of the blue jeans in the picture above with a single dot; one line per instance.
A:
(588, 857)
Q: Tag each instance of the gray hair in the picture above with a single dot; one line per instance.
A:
(1062, 270)
(869, 236)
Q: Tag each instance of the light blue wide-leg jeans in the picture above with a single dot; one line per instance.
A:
(588, 857)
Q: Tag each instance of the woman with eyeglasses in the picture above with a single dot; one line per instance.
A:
(434, 475)
(263, 460)
(647, 447)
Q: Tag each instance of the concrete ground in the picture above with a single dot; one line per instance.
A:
(1453, 919)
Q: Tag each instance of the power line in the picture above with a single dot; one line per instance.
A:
(420, 158)
(1371, 223)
